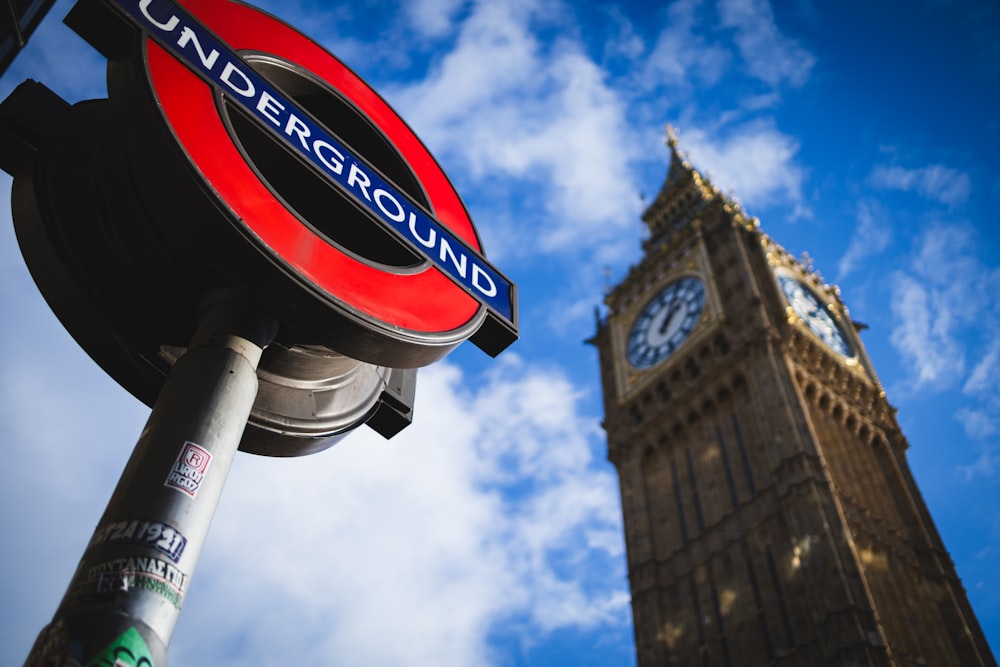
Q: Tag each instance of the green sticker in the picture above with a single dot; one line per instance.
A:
(129, 650)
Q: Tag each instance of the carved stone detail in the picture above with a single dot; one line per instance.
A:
(763, 475)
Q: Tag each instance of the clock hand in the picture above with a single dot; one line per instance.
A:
(670, 316)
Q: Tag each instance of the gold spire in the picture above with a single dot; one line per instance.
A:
(683, 194)
(671, 137)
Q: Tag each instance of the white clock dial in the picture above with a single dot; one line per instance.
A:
(808, 307)
(665, 322)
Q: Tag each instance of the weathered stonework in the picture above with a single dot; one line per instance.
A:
(770, 514)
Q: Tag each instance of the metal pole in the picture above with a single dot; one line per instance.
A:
(124, 599)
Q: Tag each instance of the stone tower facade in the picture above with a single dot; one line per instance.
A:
(770, 514)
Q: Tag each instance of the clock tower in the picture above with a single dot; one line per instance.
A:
(770, 514)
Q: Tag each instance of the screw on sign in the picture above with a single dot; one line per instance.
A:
(247, 238)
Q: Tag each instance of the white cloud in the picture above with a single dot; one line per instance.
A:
(755, 161)
(769, 55)
(937, 182)
(947, 259)
(67, 431)
(625, 43)
(681, 54)
(985, 377)
(871, 236)
(978, 424)
(943, 305)
(985, 466)
(433, 18)
(947, 319)
(488, 509)
(511, 111)
(981, 421)
(490, 513)
(923, 334)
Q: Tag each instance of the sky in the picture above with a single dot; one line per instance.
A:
(489, 531)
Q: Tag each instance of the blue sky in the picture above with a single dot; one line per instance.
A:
(488, 533)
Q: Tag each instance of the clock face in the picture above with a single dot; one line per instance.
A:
(665, 322)
(817, 318)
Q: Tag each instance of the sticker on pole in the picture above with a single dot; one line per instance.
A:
(153, 534)
(189, 469)
(129, 650)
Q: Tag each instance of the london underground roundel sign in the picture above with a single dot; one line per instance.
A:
(309, 166)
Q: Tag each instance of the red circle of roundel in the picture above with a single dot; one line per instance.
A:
(427, 301)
